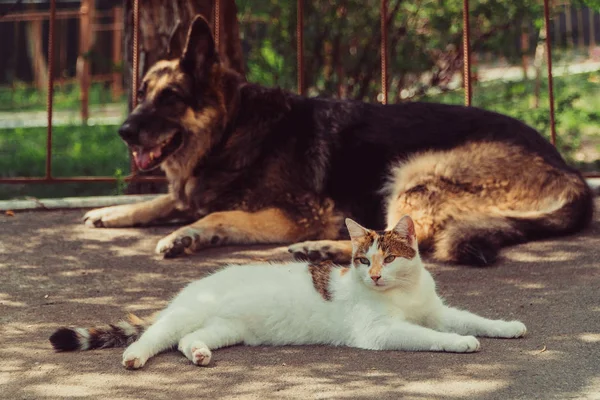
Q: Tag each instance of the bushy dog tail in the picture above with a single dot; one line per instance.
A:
(119, 335)
(475, 239)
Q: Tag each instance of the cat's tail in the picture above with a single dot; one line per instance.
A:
(118, 335)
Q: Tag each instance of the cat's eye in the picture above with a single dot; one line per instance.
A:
(363, 260)
(389, 259)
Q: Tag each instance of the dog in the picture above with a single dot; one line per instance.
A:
(260, 165)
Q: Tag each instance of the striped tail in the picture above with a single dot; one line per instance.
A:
(119, 335)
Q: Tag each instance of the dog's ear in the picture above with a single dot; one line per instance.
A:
(199, 54)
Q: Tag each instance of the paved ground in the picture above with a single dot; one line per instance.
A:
(53, 271)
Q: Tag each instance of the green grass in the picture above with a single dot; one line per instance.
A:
(577, 101)
(98, 151)
(76, 151)
(66, 97)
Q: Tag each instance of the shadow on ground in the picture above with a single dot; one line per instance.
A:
(55, 271)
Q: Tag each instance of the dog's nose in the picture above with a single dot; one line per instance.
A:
(375, 277)
(127, 130)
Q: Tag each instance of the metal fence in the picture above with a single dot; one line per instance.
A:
(49, 178)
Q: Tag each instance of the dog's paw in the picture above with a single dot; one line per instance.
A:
(135, 356)
(461, 344)
(109, 217)
(179, 242)
(321, 250)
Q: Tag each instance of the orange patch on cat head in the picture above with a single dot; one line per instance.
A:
(375, 270)
(394, 244)
(399, 242)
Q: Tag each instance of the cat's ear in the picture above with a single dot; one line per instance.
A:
(406, 228)
(355, 229)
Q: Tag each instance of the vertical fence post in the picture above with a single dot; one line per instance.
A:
(135, 73)
(50, 88)
(217, 23)
(83, 64)
(580, 34)
(592, 43)
(568, 26)
(558, 38)
(135, 68)
(117, 53)
(62, 33)
(300, 44)
(467, 54)
(384, 52)
(549, 64)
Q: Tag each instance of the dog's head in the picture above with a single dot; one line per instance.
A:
(181, 108)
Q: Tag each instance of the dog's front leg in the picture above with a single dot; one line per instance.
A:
(130, 214)
(269, 225)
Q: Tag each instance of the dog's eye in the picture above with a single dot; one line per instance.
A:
(169, 96)
(141, 93)
(363, 260)
(389, 259)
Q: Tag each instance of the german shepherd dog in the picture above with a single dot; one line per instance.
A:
(259, 165)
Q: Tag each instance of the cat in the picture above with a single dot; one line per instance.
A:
(386, 300)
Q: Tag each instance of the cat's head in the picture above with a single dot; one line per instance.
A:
(388, 259)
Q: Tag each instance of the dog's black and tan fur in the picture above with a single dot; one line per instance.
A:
(259, 165)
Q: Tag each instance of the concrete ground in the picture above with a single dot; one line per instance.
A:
(54, 271)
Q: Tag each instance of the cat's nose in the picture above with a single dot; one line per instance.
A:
(375, 277)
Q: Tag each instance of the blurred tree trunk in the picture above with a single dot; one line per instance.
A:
(540, 52)
(35, 51)
(157, 21)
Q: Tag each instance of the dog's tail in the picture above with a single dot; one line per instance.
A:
(119, 335)
(475, 238)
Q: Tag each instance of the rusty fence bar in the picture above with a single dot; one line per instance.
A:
(384, 51)
(40, 15)
(76, 179)
(217, 24)
(549, 65)
(52, 15)
(135, 68)
(467, 55)
(300, 44)
(50, 93)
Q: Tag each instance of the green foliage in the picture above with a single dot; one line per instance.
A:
(76, 151)
(341, 41)
(592, 4)
(576, 101)
(121, 184)
(23, 97)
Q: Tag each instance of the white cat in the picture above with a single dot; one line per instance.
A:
(385, 301)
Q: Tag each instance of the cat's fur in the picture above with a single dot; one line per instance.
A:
(385, 301)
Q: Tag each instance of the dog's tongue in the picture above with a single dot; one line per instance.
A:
(144, 158)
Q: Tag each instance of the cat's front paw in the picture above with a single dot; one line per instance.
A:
(201, 355)
(511, 329)
(135, 356)
(462, 344)
(196, 351)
